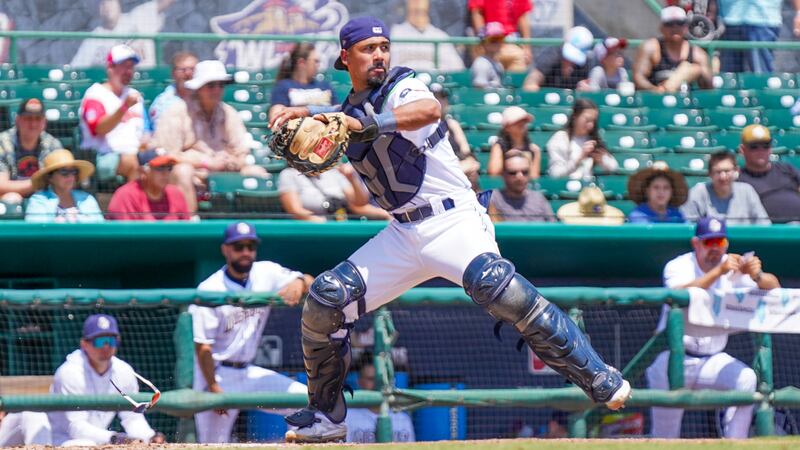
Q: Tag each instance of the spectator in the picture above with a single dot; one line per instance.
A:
(297, 83)
(516, 202)
(590, 209)
(204, 133)
(57, 198)
(151, 197)
(666, 63)
(657, 192)
(777, 184)
(723, 197)
(611, 69)
(755, 21)
(112, 118)
(87, 371)
(332, 193)
(513, 15)
(420, 57)
(22, 149)
(487, 71)
(362, 422)
(706, 365)
(514, 136)
(183, 64)
(576, 150)
(572, 68)
(456, 136)
(227, 337)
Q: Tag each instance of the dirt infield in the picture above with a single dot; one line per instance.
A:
(786, 443)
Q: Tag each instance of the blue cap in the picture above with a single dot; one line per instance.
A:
(356, 30)
(710, 227)
(100, 325)
(240, 231)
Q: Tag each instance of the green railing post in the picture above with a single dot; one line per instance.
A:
(384, 371)
(765, 413)
(12, 50)
(676, 351)
(184, 369)
(159, 50)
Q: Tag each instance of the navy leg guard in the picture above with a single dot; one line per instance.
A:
(327, 359)
(491, 282)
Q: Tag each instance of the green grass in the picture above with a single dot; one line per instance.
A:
(788, 443)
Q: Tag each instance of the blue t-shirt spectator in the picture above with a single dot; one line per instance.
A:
(289, 92)
(644, 214)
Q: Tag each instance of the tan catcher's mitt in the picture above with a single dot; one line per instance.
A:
(311, 146)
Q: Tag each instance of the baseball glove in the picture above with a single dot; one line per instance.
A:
(311, 146)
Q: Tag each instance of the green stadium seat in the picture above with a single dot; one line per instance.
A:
(252, 115)
(480, 140)
(750, 80)
(624, 140)
(626, 206)
(10, 75)
(551, 118)
(610, 98)
(613, 118)
(686, 163)
(730, 139)
(560, 188)
(729, 99)
(541, 138)
(547, 97)
(432, 77)
(616, 185)
(629, 162)
(780, 99)
(691, 180)
(246, 93)
(734, 118)
(341, 91)
(478, 117)
(157, 74)
(258, 202)
(483, 158)
(655, 100)
(726, 80)
(459, 79)
(476, 96)
(488, 182)
(11, 211)
(781, 119)
(791, 159)
(679, 119)
(681, 139)
(789, 140)
(514, 79)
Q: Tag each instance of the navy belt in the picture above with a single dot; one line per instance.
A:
(235, 365)
(422, 212)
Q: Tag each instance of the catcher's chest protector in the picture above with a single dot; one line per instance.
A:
(391, 166)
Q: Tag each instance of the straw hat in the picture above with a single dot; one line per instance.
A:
(637, 182)
(590, 209)
(59, 159)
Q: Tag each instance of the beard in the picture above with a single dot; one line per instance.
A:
(377, 80)
(242, 265)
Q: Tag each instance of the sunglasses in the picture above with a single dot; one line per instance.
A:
(140, 407)
(240, 246)
(67, 172)
(512, 173)
(719, 242)
(167, 168)
(102, 341)
(675, 23)
(759, 146)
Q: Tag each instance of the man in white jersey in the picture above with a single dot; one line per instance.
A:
(706, 365)
(89, 371)
(226, 338)
(362, 423)
(399, 147)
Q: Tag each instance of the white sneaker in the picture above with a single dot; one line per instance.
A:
(620, 397)
(323, 430)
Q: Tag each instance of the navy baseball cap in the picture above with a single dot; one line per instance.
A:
(356, 30)
(710, 227)
(240, 231)
(100, 325)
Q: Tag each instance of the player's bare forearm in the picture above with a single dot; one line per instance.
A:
(206, 362)
(417, 114)
(768, 281)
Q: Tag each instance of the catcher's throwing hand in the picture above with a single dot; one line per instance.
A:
(289, 113)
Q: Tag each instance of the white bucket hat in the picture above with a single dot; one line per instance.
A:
(206, 72)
